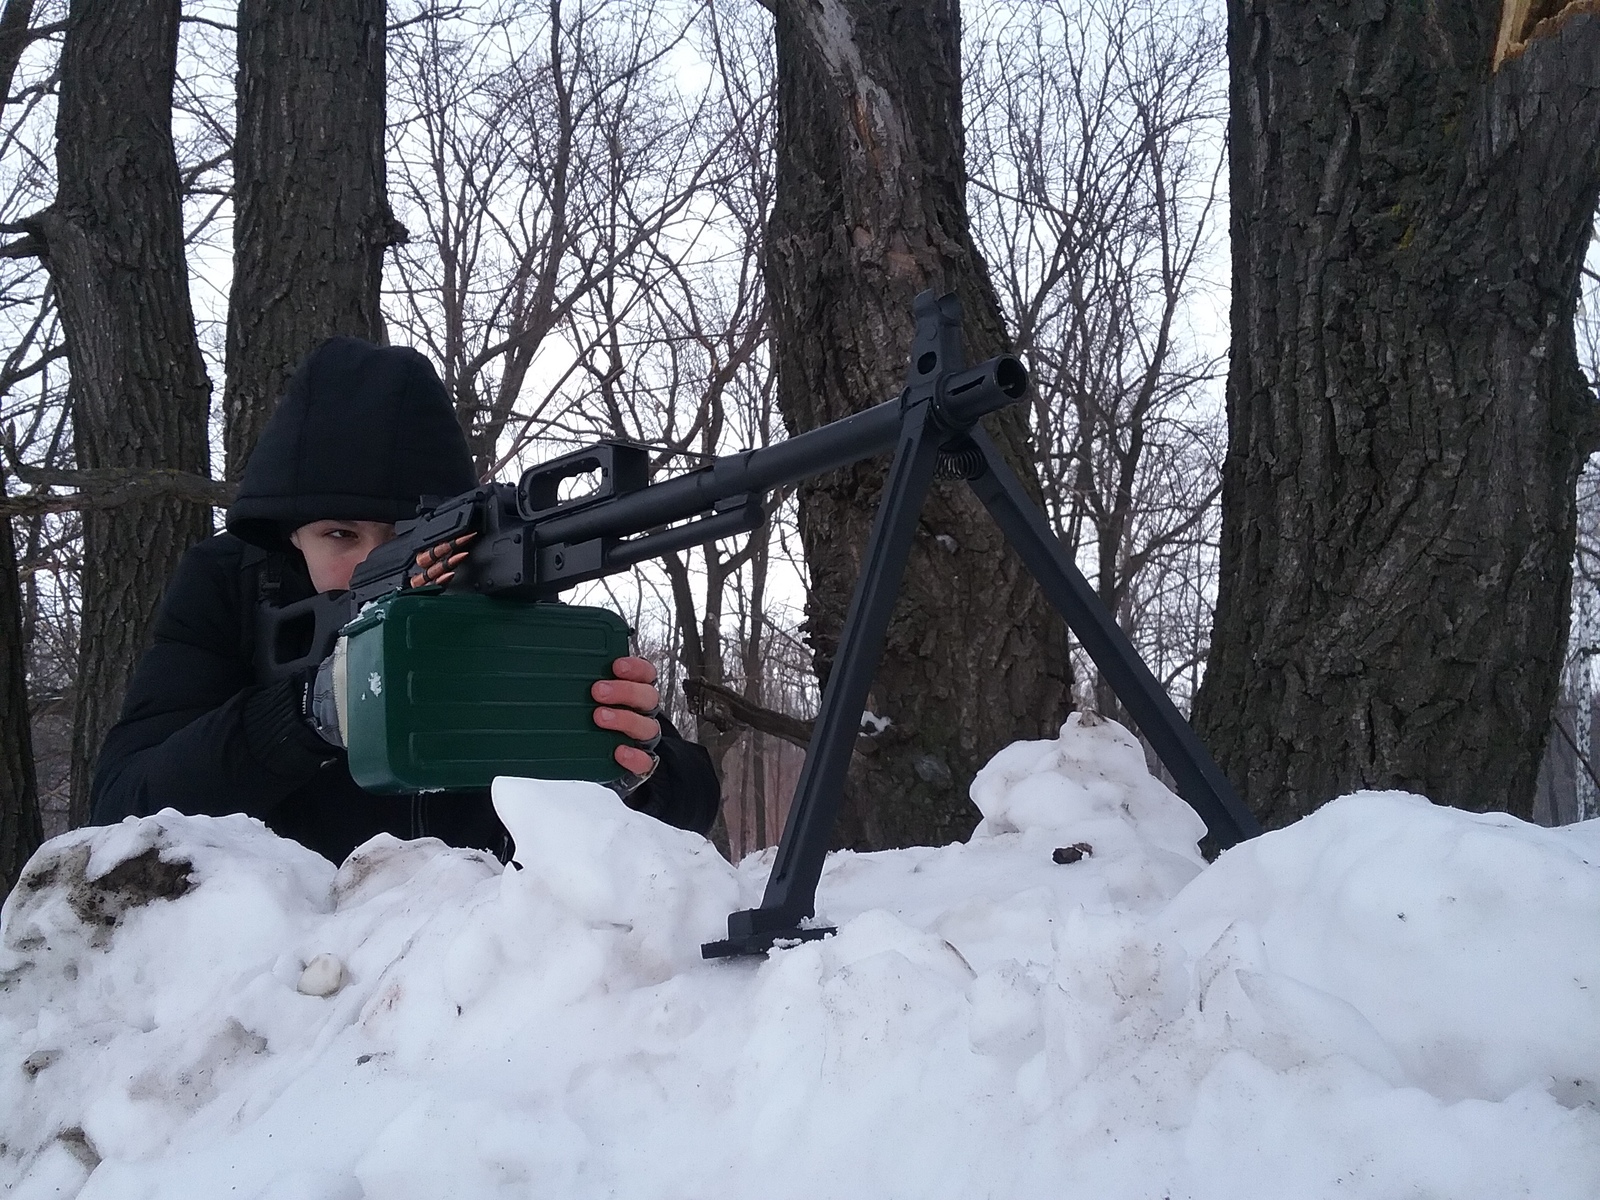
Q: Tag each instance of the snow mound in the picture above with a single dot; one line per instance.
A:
(193, 1007)
(1466, 943)
(1091, 782)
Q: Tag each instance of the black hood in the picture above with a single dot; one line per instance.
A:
(362, 433)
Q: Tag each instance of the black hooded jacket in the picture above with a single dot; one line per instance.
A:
(361, 433)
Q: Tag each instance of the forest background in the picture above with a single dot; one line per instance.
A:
(567, 207)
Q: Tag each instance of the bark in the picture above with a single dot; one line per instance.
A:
(870, 209)
(311, 210)
(113, 242)
(1406, 413)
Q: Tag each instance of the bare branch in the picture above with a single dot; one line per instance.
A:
(222, 25)
(723, 703)
(24, 247)
(109, 487)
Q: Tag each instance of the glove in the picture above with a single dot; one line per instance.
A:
(630, 783)
(323, 700)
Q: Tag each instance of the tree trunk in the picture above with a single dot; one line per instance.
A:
(113, 241)
(311, 210)
(21, 828)
(755, 669)
(1406, 413)
(870, 209)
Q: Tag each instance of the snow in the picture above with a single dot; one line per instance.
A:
(1386, 999)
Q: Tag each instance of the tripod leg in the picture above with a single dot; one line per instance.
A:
(1199, 780)
(791, 889)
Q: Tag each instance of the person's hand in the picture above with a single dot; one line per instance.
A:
(320, 701)
(438, 565)
(625, 705)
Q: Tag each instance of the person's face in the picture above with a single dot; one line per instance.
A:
(334, 549)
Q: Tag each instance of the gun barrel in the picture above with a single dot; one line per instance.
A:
(968, 396)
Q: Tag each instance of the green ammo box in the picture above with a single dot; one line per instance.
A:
(444, 692)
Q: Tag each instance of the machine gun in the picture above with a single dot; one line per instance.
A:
(531, 546)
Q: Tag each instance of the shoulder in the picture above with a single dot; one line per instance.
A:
(204, 598)
(221, 552)
(216, 564)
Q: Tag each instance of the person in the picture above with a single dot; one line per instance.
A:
(361, 435)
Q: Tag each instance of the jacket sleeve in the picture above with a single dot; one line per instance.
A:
(196, 732)
(684, 790)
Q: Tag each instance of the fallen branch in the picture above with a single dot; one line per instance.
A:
(727, 709)
(706, 699)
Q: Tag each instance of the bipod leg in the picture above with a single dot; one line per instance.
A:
(792, 886)
(1198, 779)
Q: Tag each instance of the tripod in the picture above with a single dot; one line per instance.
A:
(935, 427)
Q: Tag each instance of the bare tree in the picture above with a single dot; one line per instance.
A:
(39, 702)
(538, 151)
(21, 829)
(36, 442)
(586, 264)
(1095, 144)
(113, 242)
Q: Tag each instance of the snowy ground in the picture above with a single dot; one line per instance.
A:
(1389, 999)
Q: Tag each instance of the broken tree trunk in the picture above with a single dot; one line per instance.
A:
(1412, 191)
